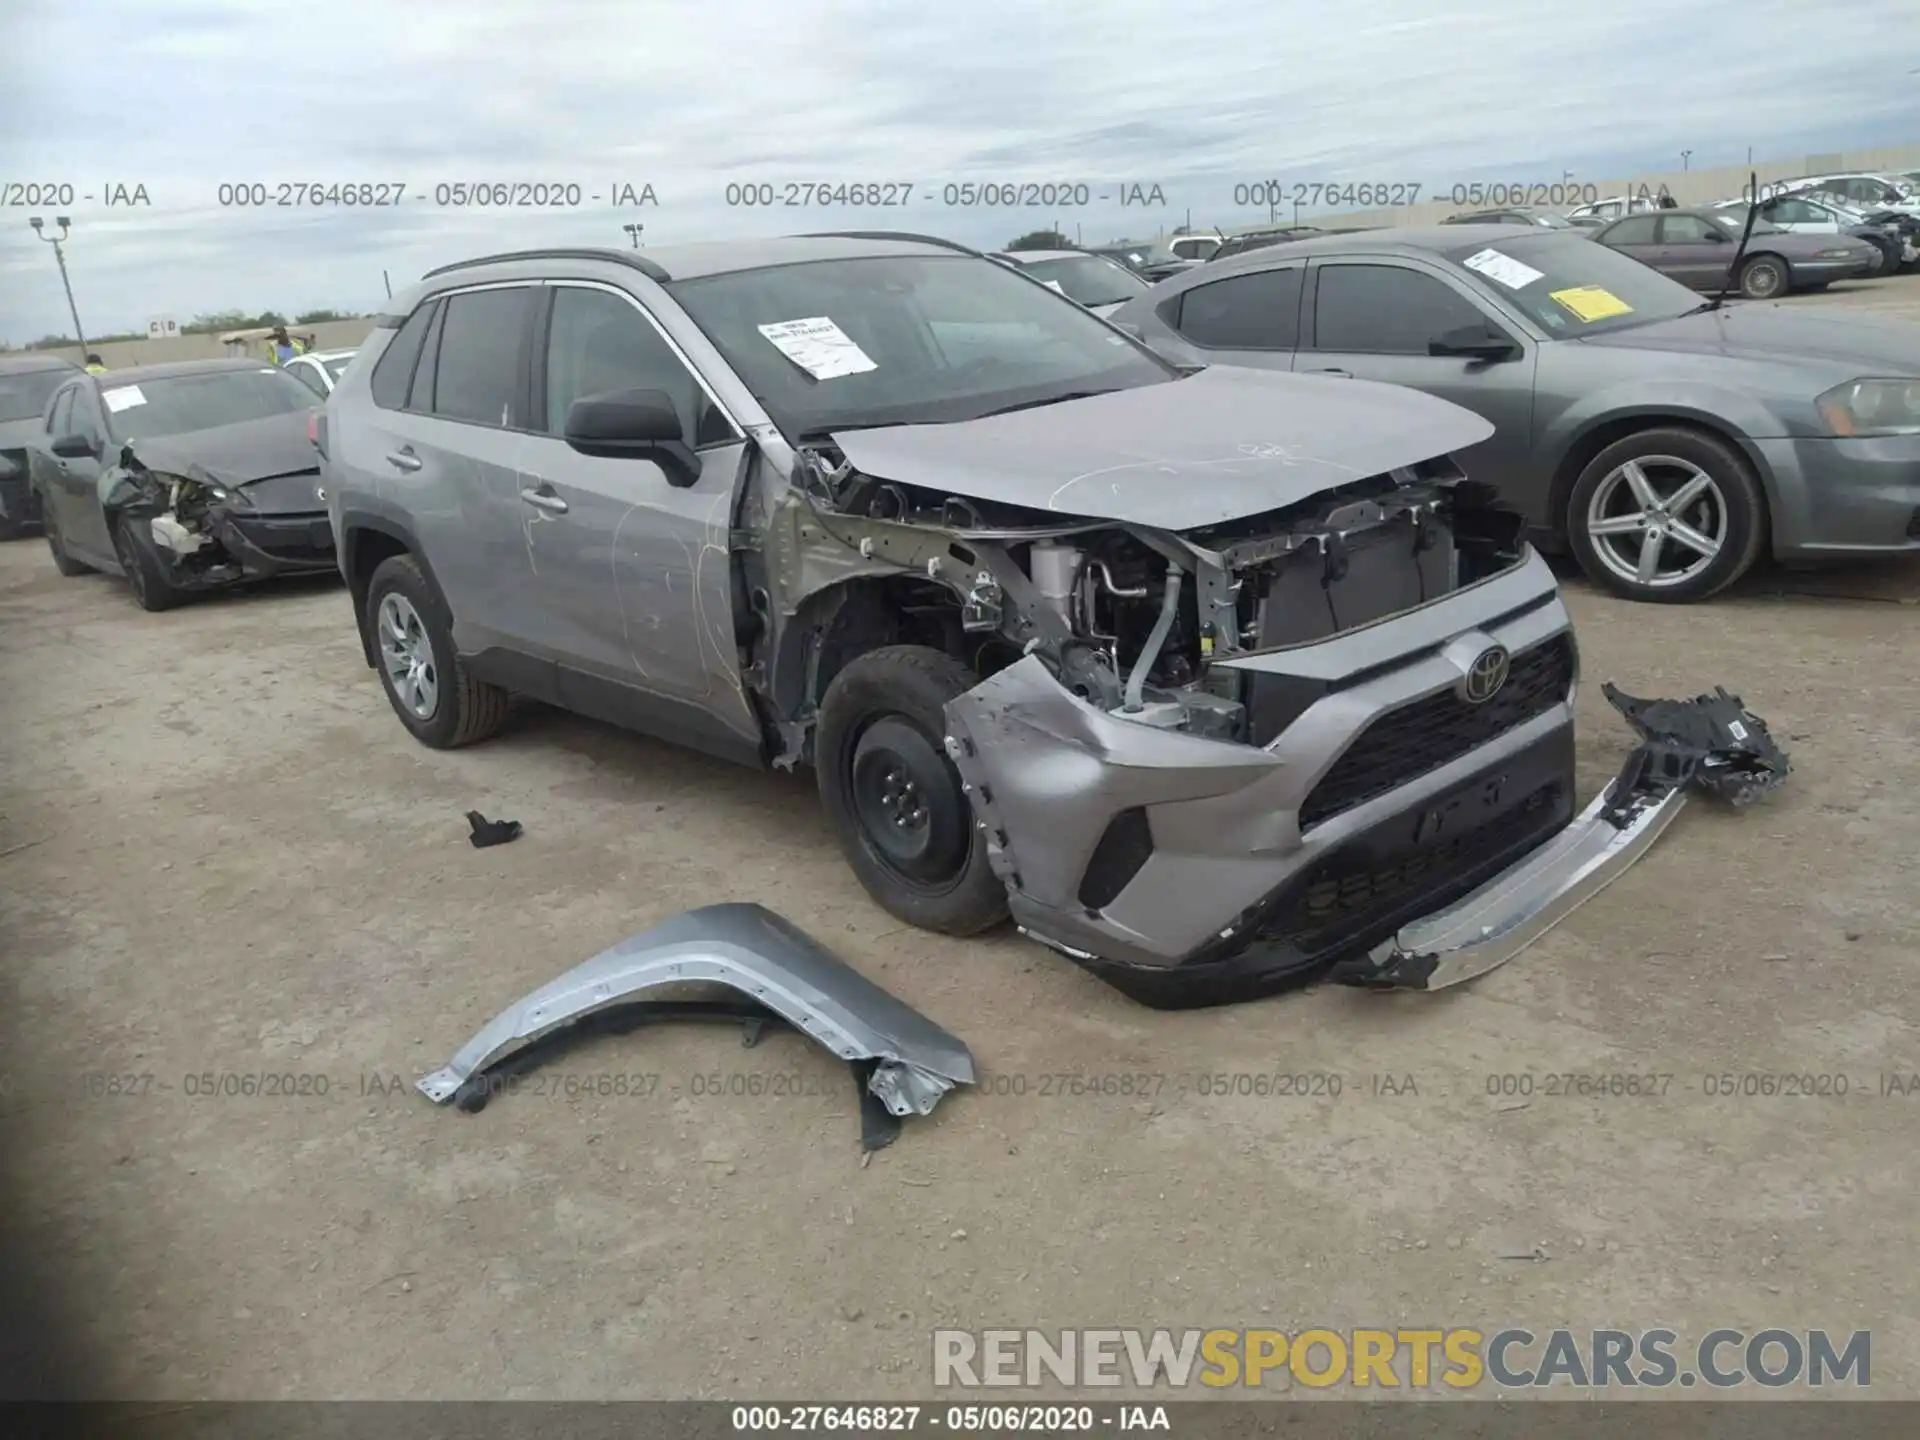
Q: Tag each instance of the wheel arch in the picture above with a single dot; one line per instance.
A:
(1604, 430)
(368, 540)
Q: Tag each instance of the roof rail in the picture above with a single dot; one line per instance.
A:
(891, 235)
(652, 269)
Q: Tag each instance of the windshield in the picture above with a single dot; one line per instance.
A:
(1553, 222)
(24, 395)
(1090, 279)
(335, 366)
(1570, 286)
(176, 404)
(907, 339)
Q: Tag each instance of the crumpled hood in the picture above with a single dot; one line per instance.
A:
(1860, 344)
(271, 459)
(1219, 445)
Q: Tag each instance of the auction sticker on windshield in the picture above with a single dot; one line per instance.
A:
(1590, 303)
(1503, 268)
(819, 347)
(123, 397)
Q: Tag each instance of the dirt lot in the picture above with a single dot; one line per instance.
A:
(221, 856)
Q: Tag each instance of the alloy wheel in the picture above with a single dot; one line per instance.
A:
(407, 656)
(1657, 521)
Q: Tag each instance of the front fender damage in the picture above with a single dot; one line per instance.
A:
(902, 1061)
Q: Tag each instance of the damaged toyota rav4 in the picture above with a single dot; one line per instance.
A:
(183, 478)
(1216, 679)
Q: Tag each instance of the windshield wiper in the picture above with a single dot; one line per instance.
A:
(1049, 400)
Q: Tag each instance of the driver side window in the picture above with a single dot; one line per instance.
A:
(87, 417)
(1385, 310)
(60, 417)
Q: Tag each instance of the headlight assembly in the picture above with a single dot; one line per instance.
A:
(1872, 407)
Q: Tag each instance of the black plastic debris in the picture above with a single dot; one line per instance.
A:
(1712, 742)
(491, 832)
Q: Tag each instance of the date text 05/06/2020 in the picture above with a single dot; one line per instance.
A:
(952, 194)
(445, 194)
(1395, 194)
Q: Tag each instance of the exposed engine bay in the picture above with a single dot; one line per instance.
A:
(1132, 618)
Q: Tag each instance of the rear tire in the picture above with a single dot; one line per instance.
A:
(1765, 277)
(426, 683)
(894, 798)
(62, 561)
(151, 589)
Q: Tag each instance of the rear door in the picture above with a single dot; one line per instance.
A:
(1247, 319)
(449, 424)
(633, 572)
(53, 475)
(1638, 236)
(1695, 251)
(1374, 318)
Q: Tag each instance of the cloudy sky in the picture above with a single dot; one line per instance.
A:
(184, 96)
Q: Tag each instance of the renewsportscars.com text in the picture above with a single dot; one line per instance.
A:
(1456, 1358)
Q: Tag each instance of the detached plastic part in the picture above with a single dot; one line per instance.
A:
(782, 975)
(1713, 743)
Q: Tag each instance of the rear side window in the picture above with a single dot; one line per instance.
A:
(60, 418)
(478, 374)
(1637, 231)
(1260, 311)
(421, 396)
(394, 371)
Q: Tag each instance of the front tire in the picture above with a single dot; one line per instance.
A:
(1765, 277)
(1688, 495)
(151, 589)
(894, 798)
(426, 683)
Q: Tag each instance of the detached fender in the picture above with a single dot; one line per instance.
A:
(766, 959)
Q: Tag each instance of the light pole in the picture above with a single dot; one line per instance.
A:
(633, 233)
(65, 283)
(1685, 157)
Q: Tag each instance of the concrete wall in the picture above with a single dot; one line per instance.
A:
(1688, 187)
(119, 355)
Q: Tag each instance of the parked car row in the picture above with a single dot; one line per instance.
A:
(913, 516)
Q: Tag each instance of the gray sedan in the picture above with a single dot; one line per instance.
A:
(1698, 248)
(1667, 442)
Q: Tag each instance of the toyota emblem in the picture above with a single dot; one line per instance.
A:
(1487, 674)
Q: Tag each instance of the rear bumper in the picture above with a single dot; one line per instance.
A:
(1839, 497)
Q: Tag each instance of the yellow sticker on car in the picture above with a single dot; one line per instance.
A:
(1590, 303)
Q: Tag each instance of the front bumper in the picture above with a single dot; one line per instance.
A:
(270, 545)
(1837, 497)
(1179, 868)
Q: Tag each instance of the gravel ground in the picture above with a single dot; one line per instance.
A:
(220, 856)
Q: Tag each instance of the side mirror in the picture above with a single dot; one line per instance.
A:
(73, 447)
(633, 424)
(1474, 342)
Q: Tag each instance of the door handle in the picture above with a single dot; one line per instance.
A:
(545, 500)
(403, 460)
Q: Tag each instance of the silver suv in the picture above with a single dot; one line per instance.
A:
(1216, 678)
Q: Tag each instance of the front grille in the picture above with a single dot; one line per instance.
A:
(1420, 737)
(1349, 893)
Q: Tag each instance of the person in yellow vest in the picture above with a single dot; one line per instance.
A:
(95, 365)
(281, 347)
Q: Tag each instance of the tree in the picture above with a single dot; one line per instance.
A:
(1041, 240)
(319, 317)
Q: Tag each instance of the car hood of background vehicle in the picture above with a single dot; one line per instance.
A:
(1748, 330)
(271, 459)
(1219, 445)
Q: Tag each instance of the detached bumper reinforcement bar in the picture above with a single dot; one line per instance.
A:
(1489, 926)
